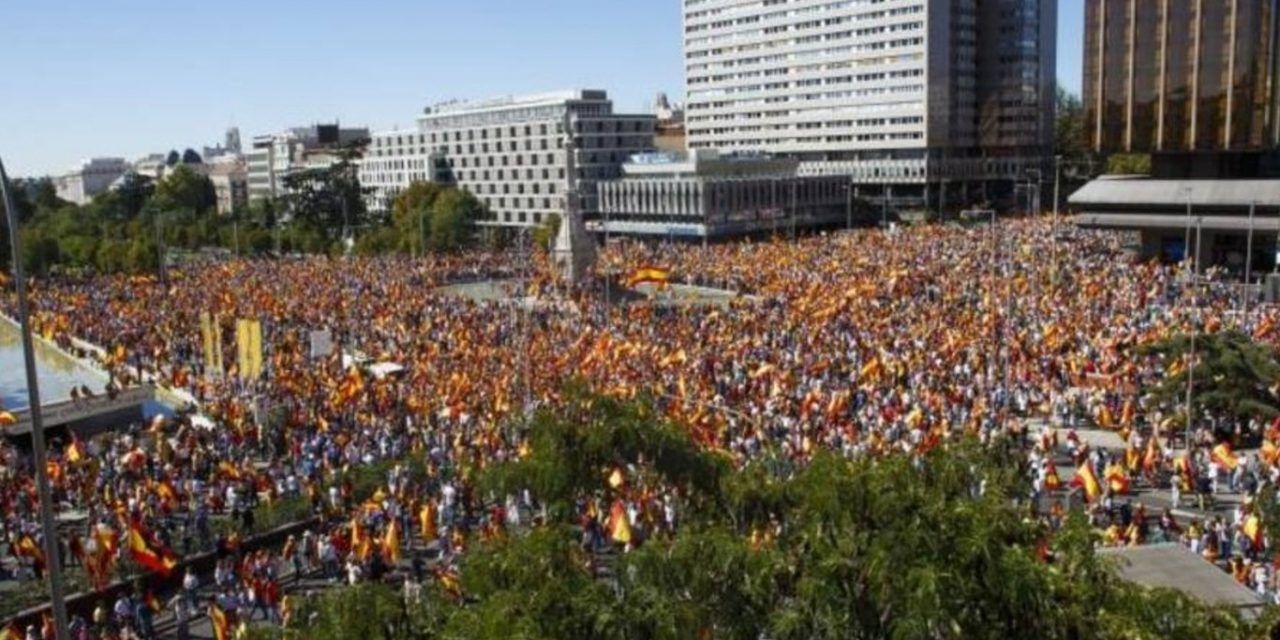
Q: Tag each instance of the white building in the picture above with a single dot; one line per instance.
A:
(510, 152)
(272, 157)
(89, 179)
(230, 177)
(393, 161)
(916, 93)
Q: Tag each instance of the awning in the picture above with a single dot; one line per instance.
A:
(1143, 221)
(1109, 192)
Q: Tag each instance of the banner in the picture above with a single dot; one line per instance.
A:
(321, 344)
(206, 337)
(255, 348)
(249, 349)
(242, 348)
(219, 367)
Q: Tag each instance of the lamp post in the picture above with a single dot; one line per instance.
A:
(53, 563)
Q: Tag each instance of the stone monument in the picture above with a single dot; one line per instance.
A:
(574, 251)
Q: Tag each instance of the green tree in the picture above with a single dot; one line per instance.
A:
(1129, 164)
(185, 190)
(411, 213)
(1231, 375)
(327, 201)
(1070, 140)
(546, 232)
(453, 216)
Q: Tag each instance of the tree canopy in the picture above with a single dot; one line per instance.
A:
(937, 546)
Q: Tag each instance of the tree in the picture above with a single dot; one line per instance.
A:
(1070, 140)
(905, 546)
(411, 213)
(453, 217)
(191, 157)
(1129, 164)
(1232, 376)
(172, 159)
(327, 201)
(186, 191)
(545, 235)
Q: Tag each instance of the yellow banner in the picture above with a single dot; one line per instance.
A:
(255, 348)
(206, 337)
(242, 348)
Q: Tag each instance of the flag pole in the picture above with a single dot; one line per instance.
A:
(53, 562)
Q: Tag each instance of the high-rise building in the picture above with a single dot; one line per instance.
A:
(916, 95)
(1181, 75)
(274, 156)
(510, 152)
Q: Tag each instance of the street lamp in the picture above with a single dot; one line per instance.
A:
(53, 563)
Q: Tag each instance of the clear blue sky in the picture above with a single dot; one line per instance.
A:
(129, 77)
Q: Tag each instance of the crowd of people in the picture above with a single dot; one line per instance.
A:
(865, 343)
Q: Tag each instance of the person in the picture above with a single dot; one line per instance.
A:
(190, 586)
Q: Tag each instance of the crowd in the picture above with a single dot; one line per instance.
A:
(867, 343)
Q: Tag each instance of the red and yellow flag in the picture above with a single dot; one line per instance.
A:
(149, 553)
(619, 526)
(221, 625)
(1225, 458)
(1087, 480)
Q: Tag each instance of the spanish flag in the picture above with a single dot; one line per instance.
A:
(1087, 480)
(221, 626)
(1253, 529)
(11, 632)
(619, 527)
(76, 451)
(649, 275)
(1151, 459)
(1225, 458)
(27, 548)
(391, 543)
(7, 418)
(1117, 479)
(150, 554)
(1051, 480)
(449, 583)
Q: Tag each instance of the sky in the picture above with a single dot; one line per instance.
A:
(124, 78)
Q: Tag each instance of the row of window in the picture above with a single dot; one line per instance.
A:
(693, 26)
(692, 44)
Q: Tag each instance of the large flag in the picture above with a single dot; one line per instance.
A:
(27, 548)
(76, 451)
(649, 275)
(619, 526)
(221, 625)
(1087, 480)
(150, 554)
(1253, 529)
(1117, 479)
(391, 543)
(1225, 458)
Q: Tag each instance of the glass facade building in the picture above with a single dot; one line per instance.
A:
(1180, 75)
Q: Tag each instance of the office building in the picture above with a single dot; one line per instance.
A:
(1169, 76)
(510, 152)
(917, 96)
(1192, 83)
(393, 161)
(702, 195)
(273, 157)
(91, 178)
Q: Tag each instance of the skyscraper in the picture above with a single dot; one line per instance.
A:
(1180, 75)
(909, 95)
